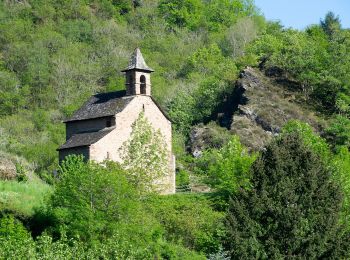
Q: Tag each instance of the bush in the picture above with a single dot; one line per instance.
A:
(90, 198)
(97, 207)
(45, 248)
(227, 169)
(189, 220)
(12, 228)
(341, 164)
(339, 131)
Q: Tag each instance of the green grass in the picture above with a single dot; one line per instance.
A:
(23, 197)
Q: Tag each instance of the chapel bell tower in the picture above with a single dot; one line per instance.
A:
(138, 75)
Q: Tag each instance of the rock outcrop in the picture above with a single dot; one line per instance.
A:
(261, 104)
(265, 106)
(207, 136)
(7, 169)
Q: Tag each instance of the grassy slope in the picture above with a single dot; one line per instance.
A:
(23, 197)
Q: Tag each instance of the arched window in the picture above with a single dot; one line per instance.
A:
(143, 84)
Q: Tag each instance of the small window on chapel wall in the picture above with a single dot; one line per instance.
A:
(143, 84)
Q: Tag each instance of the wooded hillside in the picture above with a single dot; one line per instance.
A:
(55, 54)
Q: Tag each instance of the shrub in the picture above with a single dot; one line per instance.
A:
(189, 220)
(89, 199)
(12, 228)
(227, 168)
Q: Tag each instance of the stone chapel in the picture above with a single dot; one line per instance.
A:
(101, 126)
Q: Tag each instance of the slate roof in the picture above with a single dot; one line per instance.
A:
(85, 139)
(102, 105)
(137, 62)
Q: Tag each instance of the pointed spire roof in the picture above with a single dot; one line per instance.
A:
(137, 62)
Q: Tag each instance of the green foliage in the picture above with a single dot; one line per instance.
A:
(292, 209)
(182, 178)
(99, 207)
(145, 156)
(227, 168)
(181, 110)
(312, 140)
(189, 220)
(21, 173)
(339, 131)
(331, 24)
(223, 13)
(12, 95)
(22, 198)
(241, 34)
(208, 96)
(209, 15)
(214, 74)
(45, 248)
(11, 228)
(342, 103)
(35, 138)
(181, 13)
(211, 62)
(315, 58)
(341, 163)
(88, 198)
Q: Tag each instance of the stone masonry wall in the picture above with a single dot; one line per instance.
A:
(114, 140)
(133, 88)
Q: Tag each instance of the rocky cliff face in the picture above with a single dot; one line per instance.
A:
(207, 136)
(265, 105)
(261, 105)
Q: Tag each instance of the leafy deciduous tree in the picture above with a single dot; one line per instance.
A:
(89, 198)
(228, 168)
(145, 156)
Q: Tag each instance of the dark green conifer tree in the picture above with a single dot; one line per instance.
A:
(292, 209)
(331, 24)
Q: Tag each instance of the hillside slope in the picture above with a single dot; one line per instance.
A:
(264, 105)
(261, 103)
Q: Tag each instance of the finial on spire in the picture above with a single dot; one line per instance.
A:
(137, 62)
